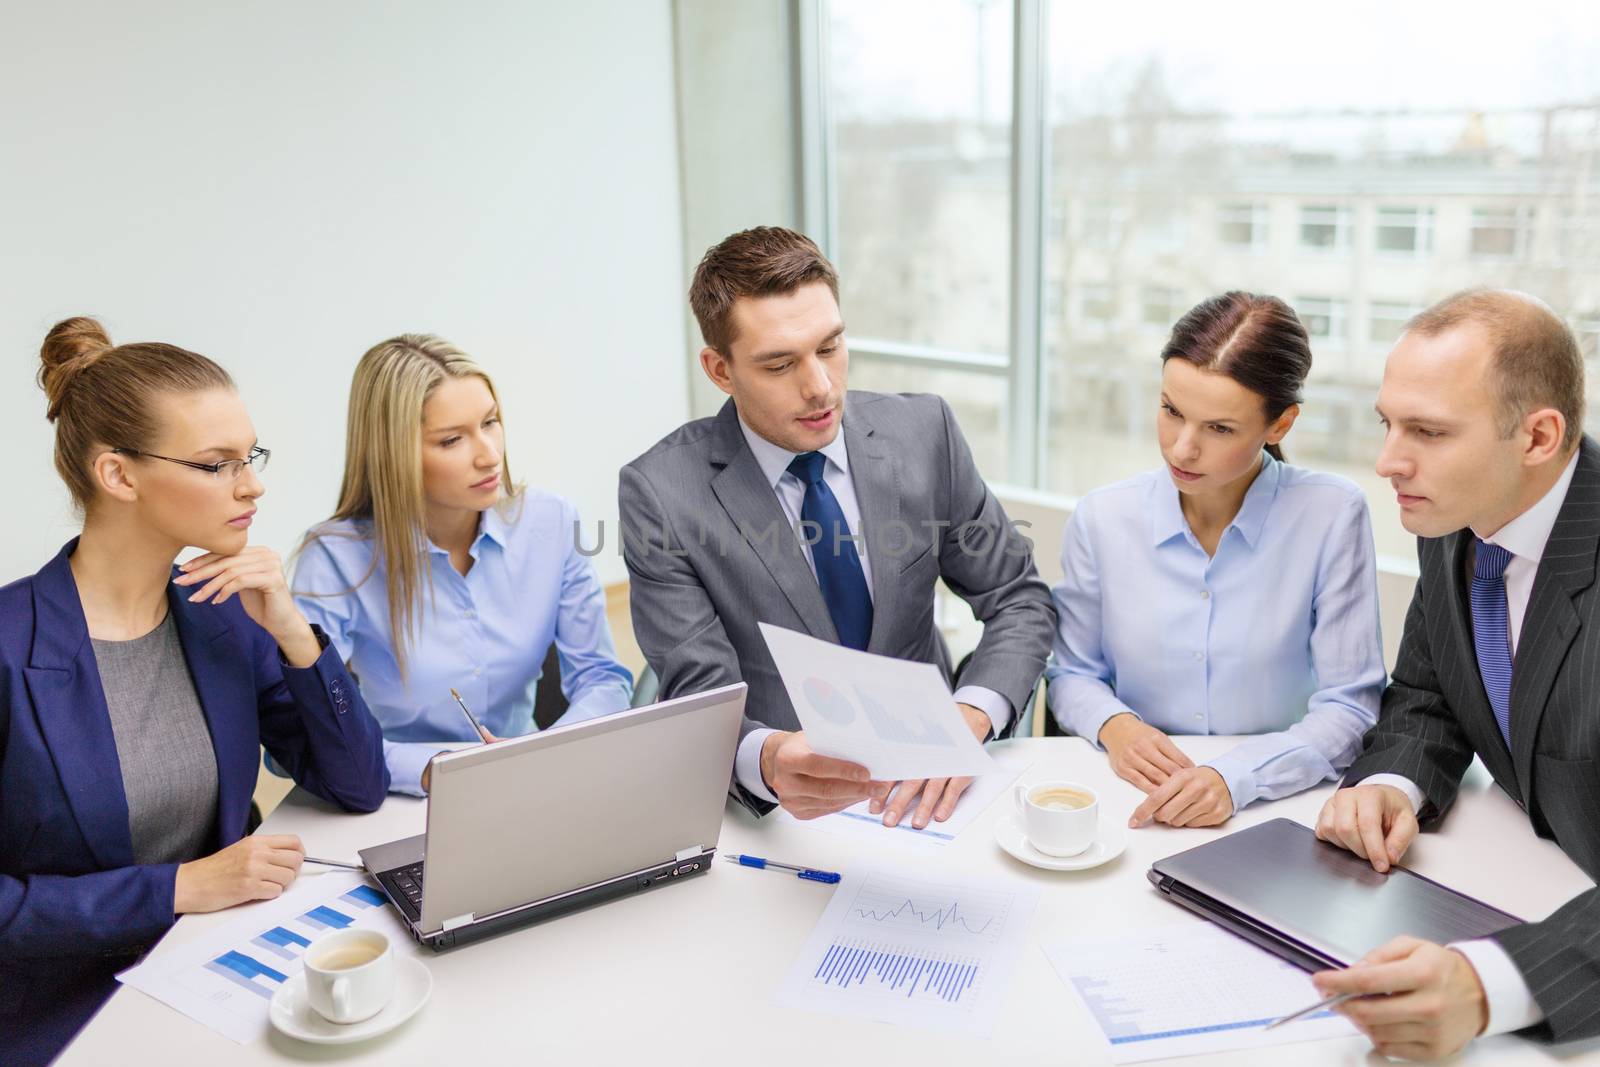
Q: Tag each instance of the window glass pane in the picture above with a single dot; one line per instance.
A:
(920, 97)
(978, 400)
(1229, 164)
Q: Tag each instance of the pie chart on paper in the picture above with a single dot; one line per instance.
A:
(828, 702)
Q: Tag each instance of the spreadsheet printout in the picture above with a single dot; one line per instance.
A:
(1185, 989)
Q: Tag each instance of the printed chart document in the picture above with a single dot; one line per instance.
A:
(858, 821)
(915, 951)
(226, 980)
(1187, 989)
(896, 718)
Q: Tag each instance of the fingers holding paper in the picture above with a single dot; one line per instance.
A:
(809, 785)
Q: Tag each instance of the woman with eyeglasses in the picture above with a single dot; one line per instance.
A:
(437, 571)
(135, 696)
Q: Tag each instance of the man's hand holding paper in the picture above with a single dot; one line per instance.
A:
(873, 726)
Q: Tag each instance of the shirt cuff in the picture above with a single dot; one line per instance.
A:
(406, 762)
(1238, 777)
(1412, 791)
(747, 765)
(992, 704)
(1511, 1003)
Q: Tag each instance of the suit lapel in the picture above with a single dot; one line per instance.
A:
(876, 475)
(742, 490)
(1552, 621)
(64, 683)
(223, 685)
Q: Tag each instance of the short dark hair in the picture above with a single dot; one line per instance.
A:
(1536, 361)
(1258, 341)
(765, 261)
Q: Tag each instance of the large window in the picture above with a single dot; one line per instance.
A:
(1023, 195)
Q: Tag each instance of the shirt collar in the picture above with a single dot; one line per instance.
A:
(1166, 512)
(774, 459)
(491, 525)
(1526, 535)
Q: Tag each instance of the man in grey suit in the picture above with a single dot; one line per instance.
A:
(1482, 400)
(822, 511)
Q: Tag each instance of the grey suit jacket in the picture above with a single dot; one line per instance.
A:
(710, 554)
(1435, 716)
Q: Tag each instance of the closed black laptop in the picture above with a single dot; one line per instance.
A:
(1312, 903)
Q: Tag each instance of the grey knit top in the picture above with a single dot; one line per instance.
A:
(169, 769)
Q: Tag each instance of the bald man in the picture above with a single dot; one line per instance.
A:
(1482, 404)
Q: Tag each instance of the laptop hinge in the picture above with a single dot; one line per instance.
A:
(688, 853)
(459, 920)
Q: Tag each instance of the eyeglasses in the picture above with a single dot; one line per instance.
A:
(224, 470)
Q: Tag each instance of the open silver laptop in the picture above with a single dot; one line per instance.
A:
(530, 828)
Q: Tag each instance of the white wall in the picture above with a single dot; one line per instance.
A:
(280, 185)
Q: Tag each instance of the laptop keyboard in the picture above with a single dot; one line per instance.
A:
(405, 886)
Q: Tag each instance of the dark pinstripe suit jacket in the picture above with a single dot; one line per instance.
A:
(1436, 715)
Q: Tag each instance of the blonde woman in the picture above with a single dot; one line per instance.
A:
(438, 571)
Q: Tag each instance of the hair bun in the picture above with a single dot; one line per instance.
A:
(70, 347)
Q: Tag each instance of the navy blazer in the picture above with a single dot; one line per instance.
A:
(74, 907)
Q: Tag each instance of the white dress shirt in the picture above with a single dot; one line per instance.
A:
(774, 461)
(1511, 1004)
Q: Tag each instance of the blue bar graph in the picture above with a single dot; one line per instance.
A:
(326, 918)
(364, 896)
(285, 944)
(243, 971)
(879, 968)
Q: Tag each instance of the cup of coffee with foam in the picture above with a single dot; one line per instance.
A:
(349, 975)
(1059, 818)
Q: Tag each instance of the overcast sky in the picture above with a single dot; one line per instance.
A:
(948, 58)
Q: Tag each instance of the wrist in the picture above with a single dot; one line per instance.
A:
(1471, 985)
(769, 758)
(978, 721)
(297, 642)
(1113, 728)
(181, 894)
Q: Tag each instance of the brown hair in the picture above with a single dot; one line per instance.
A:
(1258, 341)
(765, 261)
(1536, 361)
(102, 396)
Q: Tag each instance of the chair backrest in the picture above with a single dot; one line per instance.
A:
(549, 702)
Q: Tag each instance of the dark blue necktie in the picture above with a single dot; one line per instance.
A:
(844, 585)
(1491, 629)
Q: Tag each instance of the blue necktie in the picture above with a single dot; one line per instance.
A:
(844, 585)
(1491, 630)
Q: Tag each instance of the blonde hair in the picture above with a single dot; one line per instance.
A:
(383, 466)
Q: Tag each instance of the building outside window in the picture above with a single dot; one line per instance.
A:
(1325, 228)
(1017, 191)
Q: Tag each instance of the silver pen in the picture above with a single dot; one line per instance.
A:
(336, 863)
(476, 728)
(1321, 1005)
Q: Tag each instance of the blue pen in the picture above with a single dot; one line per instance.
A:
(768, 865)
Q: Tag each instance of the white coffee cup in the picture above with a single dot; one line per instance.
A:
(349, 975)
(1059, 818)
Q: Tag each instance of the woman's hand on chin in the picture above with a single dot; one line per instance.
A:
(255, 575)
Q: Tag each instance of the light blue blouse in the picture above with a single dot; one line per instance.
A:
(1275, 635)
(486, 633)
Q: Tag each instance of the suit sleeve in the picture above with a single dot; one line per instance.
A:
(1417, 735)
(316, 726)
(1560, 960)
(674, 620)
(989, 564)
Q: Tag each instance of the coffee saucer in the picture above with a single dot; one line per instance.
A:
(1110, 840)
(292, 1013)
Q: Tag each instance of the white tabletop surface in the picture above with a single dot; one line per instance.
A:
(688, 972)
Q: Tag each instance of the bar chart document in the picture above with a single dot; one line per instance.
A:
(1186, 989)
(915, 951)
(226, 978)
(896, 718)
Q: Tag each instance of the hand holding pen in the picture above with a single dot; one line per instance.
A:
(477, 728)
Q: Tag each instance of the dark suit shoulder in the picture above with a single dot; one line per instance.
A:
(16, 619)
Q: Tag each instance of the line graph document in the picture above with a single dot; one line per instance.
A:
(1186, 989)
(896, 718)
(913, 951)
(226, 979)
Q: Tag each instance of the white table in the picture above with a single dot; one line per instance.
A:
(689, 971)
